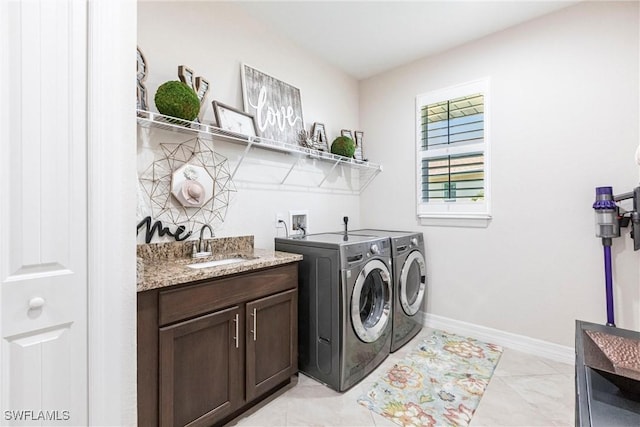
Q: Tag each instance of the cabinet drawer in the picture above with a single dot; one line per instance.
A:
(201, 298)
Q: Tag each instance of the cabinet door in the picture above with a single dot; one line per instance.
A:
(200, 369)
(272, 342)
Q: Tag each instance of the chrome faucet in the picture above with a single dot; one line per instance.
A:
(204, 251)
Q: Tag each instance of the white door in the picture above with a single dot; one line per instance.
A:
(43, 212)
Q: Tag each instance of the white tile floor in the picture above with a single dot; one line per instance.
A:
(524, 391)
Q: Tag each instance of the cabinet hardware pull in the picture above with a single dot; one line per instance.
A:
(235, 338)
(255, 316)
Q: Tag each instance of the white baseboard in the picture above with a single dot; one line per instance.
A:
(521, 343)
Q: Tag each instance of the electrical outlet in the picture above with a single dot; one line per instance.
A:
(280, 217)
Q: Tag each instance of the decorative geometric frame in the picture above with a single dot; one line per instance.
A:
(156, 184)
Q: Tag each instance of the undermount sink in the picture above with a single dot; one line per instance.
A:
(217, 263)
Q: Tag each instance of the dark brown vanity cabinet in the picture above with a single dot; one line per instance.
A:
(209, 350)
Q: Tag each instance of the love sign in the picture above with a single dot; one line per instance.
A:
(274, 104)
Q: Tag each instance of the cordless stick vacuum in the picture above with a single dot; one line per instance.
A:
(608, 222)
(607, 228)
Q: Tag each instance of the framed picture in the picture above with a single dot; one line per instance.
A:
(319, 134)
(358, 154)
(276, 105)
(234, 120)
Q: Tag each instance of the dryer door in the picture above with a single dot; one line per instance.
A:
(371, 301)
(413, 281)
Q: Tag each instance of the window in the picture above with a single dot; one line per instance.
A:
(452, 129)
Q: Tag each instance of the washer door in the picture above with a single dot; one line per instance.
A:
(371, 301)
(413, 280)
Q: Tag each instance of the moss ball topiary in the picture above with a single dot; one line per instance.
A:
(176, 99)
(344, 146)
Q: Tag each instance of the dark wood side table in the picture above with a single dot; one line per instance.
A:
(607, 376)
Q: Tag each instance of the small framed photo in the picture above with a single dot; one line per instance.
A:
(319, 135)
(347, 133)
(233, 120)
(359, 153)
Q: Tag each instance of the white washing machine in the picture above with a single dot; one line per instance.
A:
(409, 282)
(344, 305)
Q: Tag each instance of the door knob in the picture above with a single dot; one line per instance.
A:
(36, 302)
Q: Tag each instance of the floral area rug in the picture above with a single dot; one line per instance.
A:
(439, 383)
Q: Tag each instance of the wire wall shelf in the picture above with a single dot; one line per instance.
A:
(367, 170)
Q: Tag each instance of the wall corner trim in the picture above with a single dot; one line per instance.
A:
(522, 343)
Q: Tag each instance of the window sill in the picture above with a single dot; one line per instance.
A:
(479, 220)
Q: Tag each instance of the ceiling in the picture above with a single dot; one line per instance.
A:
(365, 38)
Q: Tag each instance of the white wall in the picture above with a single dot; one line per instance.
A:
(213, 39)
(565, 120)
(111, 302)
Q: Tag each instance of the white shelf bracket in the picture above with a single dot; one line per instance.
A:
(373, 175)
(290, 170)
(329, 173)
(241, 159)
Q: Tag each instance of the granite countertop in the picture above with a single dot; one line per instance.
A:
(165, 264)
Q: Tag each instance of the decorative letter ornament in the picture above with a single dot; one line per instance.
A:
(199, 85)
(141, 91)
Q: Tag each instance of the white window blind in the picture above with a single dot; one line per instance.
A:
(452, 147)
